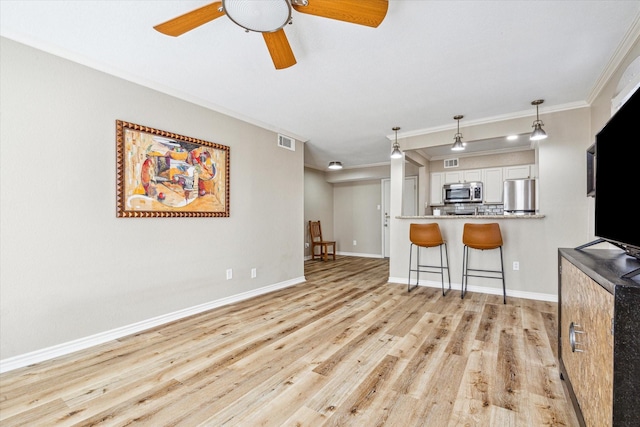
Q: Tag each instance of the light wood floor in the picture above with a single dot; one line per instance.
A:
(343, 349)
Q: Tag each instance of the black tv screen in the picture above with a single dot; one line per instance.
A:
(617, 217)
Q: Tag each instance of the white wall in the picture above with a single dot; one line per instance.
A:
(601, 113)
(68, 267)
(488, 161)
(347, 202)
(318, 205)
(357, 217)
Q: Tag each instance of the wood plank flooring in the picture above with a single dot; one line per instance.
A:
(345, 348)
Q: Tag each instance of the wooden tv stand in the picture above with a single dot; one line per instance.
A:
(599, 335)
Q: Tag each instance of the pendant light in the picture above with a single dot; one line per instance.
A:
(396, 153)
(538, 133)
(335, 165)
(457, 144)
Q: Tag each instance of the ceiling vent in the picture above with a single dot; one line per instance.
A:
(450, 163)
(286, 142)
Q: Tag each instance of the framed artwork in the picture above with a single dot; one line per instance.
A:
(162, 174)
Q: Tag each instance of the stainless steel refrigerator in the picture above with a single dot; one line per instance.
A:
(519, 197)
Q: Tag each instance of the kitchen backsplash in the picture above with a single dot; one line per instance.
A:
(470, 208)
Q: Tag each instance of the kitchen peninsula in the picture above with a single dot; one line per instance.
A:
(524, 239)
(452, 216)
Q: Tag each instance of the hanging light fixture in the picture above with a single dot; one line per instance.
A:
(458, 145)
(395, 152)
(538, 133)
(335, 165)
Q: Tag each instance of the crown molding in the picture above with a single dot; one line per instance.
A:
(494, 119)
(618, 56)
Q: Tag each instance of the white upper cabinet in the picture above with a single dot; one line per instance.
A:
(518, 172)
(437, 181)
(453, 177)
(492, 182)
(472, 175)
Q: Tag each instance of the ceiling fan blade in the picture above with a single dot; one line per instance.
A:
(190, 20)
(362, 12)
(279, 48)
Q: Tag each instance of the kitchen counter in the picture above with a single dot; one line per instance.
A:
(467, 217)
(524, 243)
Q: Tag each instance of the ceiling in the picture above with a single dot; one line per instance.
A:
(501, 144)
(426, 62)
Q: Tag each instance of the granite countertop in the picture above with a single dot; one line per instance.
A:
(537, 216)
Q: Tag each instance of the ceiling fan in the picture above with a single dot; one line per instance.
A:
(270, 16)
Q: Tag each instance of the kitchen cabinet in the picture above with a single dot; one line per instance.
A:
(437, 181)
(517, 172)
(492, 181)
(598, 343)
(472, 175)
(452, 177)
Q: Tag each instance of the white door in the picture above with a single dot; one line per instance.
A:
(409, 206)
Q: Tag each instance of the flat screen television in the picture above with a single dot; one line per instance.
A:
(617, 179)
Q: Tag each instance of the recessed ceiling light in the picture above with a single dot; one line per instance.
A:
(512, 137)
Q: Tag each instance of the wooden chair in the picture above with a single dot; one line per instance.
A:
(315, 230)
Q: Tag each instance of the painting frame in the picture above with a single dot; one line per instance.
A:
(162, 174)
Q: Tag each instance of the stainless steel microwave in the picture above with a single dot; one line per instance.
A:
(466, 192)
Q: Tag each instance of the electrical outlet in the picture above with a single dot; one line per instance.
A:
(254, 273)
(516, 265)
(229, 274)
(355, 243)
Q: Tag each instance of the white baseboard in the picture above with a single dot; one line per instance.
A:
(360, 255)
(307, 258)
(481, 289)
(48, 353)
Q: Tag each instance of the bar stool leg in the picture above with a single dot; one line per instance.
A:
(465, 254)
(418, 247)
(504, 286)
(409, 289)
(442, 268)
(446, 252)
(409, 275)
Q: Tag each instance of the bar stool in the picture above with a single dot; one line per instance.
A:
(481, 237)
(427, 236)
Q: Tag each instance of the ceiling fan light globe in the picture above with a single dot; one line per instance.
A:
(263, 16)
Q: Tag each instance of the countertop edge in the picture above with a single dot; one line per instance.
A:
(473, 217)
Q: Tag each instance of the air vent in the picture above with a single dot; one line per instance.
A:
(450, 163)
(286, 142)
